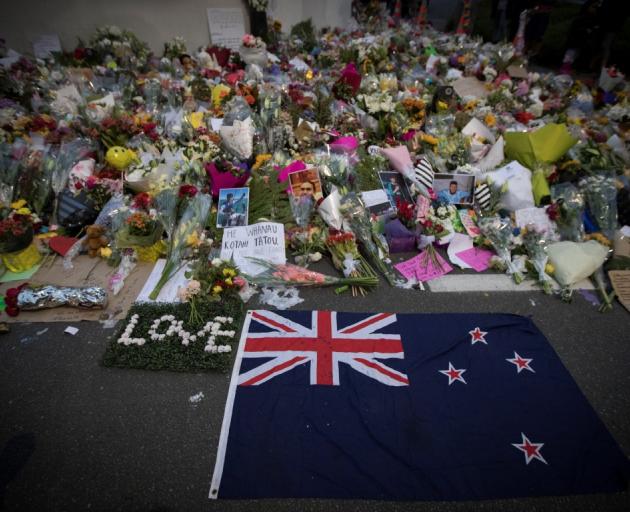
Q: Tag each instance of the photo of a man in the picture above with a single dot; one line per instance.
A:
(306, 185)
(233, 207)
(454, 188)
(452, 195)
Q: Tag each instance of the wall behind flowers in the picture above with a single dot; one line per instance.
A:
(154, 21)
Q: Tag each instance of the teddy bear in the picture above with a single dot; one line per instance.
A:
(95, 239)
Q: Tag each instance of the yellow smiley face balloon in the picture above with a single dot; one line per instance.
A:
(119, 157)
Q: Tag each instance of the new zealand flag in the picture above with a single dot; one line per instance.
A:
(407, 407)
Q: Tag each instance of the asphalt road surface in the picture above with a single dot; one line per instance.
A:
(77, 436)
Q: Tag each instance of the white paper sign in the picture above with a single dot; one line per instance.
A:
(227, 27)
(45, 45)
(264, 240)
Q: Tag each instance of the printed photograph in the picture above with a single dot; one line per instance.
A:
(306, 185)
(233, 207)
(395, 187)
(454, 188)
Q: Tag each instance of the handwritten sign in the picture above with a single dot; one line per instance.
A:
(45, 45)
(227, 27)
(264, 240)
(423, 268)
(479, 259)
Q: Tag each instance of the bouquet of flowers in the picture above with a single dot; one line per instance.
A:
(373, 246)
(567, 211)
(292, 275)
(601, 195)
(16, 227)
(111, 42)
(253, 50)
(175, 47)
(498, 231)
(347, 258)
(536, 247)
(307, 244)
(192, 219)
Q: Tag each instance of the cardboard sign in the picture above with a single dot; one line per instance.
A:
(227, 27)
(620, 280)
(468, 221)
(264, 240)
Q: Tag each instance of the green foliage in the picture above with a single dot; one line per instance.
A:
(367, 170)
(323, 113)
(305, 32)
(268, 199)
(170, 354)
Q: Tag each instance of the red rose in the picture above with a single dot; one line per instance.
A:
(79, 53)
(12, 310)
(187, 191)
(12, 293)
(439, 228)
(142, 200)
(428, 224)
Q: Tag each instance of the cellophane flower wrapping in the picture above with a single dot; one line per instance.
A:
(286, 274)
(568, 208)
(498, 231)
(535, 243)
(193, 219)
(601, 196)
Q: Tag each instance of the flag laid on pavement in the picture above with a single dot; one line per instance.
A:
(407, 407)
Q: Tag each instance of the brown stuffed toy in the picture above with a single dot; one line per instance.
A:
(95, 239)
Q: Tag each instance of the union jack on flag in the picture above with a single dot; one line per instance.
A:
(323, 346)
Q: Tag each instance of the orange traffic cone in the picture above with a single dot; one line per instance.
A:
(463, 27)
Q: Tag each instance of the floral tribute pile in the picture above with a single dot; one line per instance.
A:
(383, 142)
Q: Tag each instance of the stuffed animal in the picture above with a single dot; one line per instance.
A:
(95, 240)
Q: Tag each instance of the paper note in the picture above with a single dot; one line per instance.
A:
(479, 259)
(227, 27)
(620, 280)
(536, 216)
(408, 267)
(459, 243)
(264, 240)
(45, 45)
(467, 217)
(428, 269)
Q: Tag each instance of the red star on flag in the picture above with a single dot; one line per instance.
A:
(477, 336)
(453, 374)
(521, 363)
(531, 450)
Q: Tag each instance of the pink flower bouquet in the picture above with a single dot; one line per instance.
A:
(287, 274)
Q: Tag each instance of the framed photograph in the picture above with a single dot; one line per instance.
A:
(377, 202)
(305, 184)
(454, 188)
(395, 187)
(233, 207)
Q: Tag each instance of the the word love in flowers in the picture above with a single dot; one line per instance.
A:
(212, 330)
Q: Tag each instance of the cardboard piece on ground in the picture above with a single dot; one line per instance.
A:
(470, 86)
(622, 242)
(620, 280)
(86, 272)
(517, 71)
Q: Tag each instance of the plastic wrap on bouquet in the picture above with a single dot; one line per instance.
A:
(256, 56)
(50, 296)
(239, 138)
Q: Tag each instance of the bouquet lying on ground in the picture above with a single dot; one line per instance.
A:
(536, 247)
(498, 231)
(286, 274)
(346, 257)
